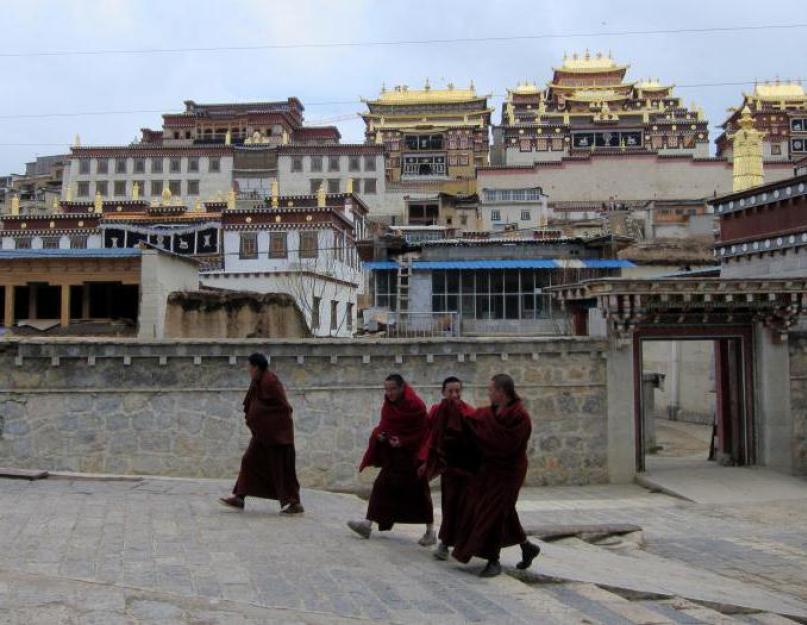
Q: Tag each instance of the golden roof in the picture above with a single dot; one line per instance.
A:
(652, 85)
(588, 63)
(402, 94)
(779, 91)
(595, 95)
(526, 88)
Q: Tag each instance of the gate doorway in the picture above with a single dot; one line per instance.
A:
(728, 437)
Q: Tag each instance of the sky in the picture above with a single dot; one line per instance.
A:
(45, 98)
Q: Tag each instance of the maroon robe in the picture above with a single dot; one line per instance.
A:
(268, 466)
(399, 495)
(489, 519)
(445, 454)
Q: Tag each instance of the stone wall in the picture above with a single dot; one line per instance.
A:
(174, 407)
(798, 399)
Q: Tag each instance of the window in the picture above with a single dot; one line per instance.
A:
(102, 166)
(424, 214)
(369, 163)
(316, 163)
(525, 145)
(193, 187)
(370, 186)
(214, 164)
(84, 166)
(102, 187)
(334, 315)
(357, 185)
(349, 315)
(309, 244)
(175, 165)
(156, 187)
(83, 189)
(248, 248)
(120, 188)
(156, 166)
(50, 243)
(193, 164)
(333, 163)
(776, 149)
(333, 185)
(297, 163)
(526, 215)
(175, 187)
(424, 165)
(278, 245)
(354, 163)
(23, 243)
(120, 165)
(315, 183)
(385, 288)
(315, 312)
(424, 142)
(140, 166)
(495, 215)
(78, 242)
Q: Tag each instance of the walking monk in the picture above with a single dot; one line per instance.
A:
(399, 494)
(443, 454)
(489, 519)
(268, 466)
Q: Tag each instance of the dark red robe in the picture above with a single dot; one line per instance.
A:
(489, 520)
(399, 495)
(446, 454)
(268, 466)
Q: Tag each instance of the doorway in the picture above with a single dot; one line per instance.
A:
(701, 409)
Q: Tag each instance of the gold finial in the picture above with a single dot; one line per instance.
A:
(155, 202)
(321, 197)
(284, 138)
(166, 195)
(228, 137)
(747, 167)
(450, 86)
(275, 194)
(379, 138)
(588, 55)
(77, 141)
(427, 86)
(136, 191)
(197, 207)
(55, 203)
(98, 203)
(472, 87)
(349, 185)
(15, 204)
(383, 87)
(231, 199)
(69, 194)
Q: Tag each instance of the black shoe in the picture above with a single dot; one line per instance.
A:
(293, 508)
(529, 552)
(232, 502)
(492, 569)
(441, 553)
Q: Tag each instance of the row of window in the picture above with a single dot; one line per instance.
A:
(120, 189)
(332, 185)
(156, 165)
(316, 314)
(309, 247)
(496, 215)
(317, 163)
(512, 195)
(77, 242)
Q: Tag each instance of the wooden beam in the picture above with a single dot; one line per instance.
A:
(64, 319)
(8, 312)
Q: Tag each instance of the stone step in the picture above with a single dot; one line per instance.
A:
(687, 612)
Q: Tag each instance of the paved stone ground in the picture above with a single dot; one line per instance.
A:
(162, 551)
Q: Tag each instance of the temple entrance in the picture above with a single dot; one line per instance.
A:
(705, 413)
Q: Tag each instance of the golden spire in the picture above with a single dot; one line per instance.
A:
(228, 137)
(15, 204)
(379, 138)
(427, 86)
(747, 154)
(275, 194)
(349, 185)
(197, 207)
(55, 203)
(77, 141)
(98, 204)
(321, 197)
(231, 199)
(136, 191)
(69, 194)
(166, 195)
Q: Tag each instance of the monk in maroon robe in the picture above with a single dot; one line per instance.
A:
(268, 466)
(399, 494)
(489, 518)
(444, 454)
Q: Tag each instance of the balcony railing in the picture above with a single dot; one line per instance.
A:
(422, 324)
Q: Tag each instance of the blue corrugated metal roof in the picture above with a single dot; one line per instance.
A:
(526, 263)
(122, 252)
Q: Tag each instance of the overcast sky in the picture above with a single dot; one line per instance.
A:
(34, 85)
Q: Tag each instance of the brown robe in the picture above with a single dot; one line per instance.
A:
(268, 466)
(446, 454)
(489, 519)
(399, 495)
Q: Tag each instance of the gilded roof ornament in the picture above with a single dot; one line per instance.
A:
(77, 141)
(15, 204)
(98, 203)
(747, 167)
(321, 196)
(136, 191)
(275, 194)
(231, 199)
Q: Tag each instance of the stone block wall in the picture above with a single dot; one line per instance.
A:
(174, 407)
(798, 399)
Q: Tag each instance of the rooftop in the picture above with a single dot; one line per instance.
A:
(402, 94)
(70, 253)
(779, 91)
(588, 62)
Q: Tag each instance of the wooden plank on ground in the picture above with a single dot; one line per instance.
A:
(23, 474)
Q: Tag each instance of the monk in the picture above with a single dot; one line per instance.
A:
(399, 494)
(268, 466)
(489, 518)
(443, 454)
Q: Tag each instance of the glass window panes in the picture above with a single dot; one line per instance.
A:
(102, 166)
(156, 165)
(140, 165)
(120, 165)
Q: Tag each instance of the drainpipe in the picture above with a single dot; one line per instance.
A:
(675, 381)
